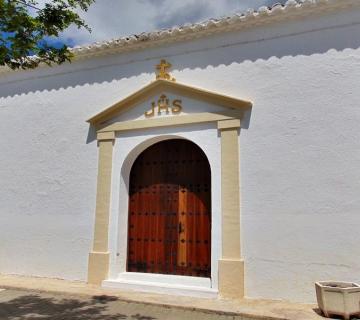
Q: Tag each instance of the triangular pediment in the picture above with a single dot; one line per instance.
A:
(174, 99)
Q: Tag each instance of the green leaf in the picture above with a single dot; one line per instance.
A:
(24, 30)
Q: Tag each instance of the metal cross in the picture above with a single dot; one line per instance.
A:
(163, 70)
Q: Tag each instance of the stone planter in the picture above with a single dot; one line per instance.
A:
(338, 298)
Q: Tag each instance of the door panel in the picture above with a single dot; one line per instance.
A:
(170, 211)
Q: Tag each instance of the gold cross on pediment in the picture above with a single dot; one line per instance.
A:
(163, 73)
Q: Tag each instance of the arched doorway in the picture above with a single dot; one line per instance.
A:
(169, 224)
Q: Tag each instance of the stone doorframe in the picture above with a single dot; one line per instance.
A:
(231, 266)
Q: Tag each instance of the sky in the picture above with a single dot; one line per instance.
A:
(111, 19)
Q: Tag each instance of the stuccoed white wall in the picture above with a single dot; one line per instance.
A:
(300, 151)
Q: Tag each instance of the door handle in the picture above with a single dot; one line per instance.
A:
(181, 228)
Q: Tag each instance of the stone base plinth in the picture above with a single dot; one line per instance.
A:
(98, 267)
(231, 278)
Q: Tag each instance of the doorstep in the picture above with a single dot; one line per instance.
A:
(163, 284)
(248, 308)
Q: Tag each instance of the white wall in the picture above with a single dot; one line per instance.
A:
(300, 151)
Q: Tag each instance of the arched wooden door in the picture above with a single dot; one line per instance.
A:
(169, 230)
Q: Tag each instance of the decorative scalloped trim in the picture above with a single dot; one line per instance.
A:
(264, 15)
(248, 19)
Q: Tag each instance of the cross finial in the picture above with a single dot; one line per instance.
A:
(163, 70)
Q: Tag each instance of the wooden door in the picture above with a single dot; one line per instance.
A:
(169, 211)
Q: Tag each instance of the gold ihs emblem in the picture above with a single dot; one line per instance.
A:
(163, 104)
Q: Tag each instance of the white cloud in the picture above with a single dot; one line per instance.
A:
(117, 18)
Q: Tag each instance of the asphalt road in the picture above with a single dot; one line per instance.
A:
(31, 305)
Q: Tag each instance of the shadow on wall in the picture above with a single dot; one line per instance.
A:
(254, 46)
(36, 307)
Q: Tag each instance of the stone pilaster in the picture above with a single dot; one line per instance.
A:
(99, 257)
(231, 266)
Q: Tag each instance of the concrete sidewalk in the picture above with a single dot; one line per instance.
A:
(245, 309)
